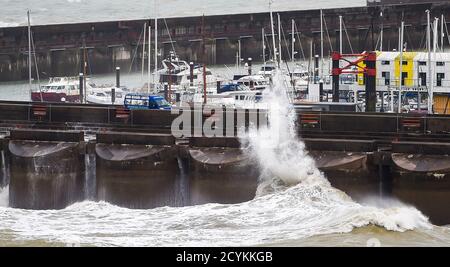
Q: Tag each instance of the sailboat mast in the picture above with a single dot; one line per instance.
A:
(430, 79)
(401, 69)
(156, 41)
(263, 46)
(143, 51)
(279, 37)
(273, 33)
(293, 41)
(149, 70)
(381, 32)
(29, 51)
(435, 44)
(340, 35)
(442, 32)
(321, 44)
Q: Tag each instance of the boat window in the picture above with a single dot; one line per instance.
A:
(242, 97)
(162, 103)
(236, 97)
(60, 87)
(100, 94)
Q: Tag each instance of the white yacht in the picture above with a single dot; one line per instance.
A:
(59, 89)
(103, 95)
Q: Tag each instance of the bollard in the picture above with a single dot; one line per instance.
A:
(321, 90)
(191, 74)
(166, 92)
(218, 87)
(370, 78)
(336, 74)
(81, 87)
(118, 77)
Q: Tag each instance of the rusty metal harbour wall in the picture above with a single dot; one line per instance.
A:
(61, 48)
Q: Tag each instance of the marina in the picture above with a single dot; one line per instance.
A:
(280, 126)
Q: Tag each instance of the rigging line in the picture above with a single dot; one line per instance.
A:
(268, 45)
(328, 34)
(135, 51)
(446, 29)
(423, 41)
(378, 42)
(300, 41)
(408, 37)
(170, 38)
(348, 38)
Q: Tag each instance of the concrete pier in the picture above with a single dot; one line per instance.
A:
(139, 164)
(137, 170)
(46, 169)
(221, 171)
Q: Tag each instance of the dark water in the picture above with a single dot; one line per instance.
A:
(13, 12)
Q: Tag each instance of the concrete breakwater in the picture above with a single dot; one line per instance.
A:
(48, 173)
(136, 162)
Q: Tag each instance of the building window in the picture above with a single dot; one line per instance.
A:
(440, 78)
(423, 78)
(405, 63)
(385, 62)
(404, 77)
(440, 63)
(422, 63)
(387, 78)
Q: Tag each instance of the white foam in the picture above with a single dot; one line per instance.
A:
(4, 196)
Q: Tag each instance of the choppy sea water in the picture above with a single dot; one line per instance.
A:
(13, 12)
(299, 216)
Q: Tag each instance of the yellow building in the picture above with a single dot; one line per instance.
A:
(407, 69)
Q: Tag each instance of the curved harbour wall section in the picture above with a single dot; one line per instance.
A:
(137, 171)
(45, 174)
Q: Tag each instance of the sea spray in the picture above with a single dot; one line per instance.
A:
(4, 196)
(280, 154)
